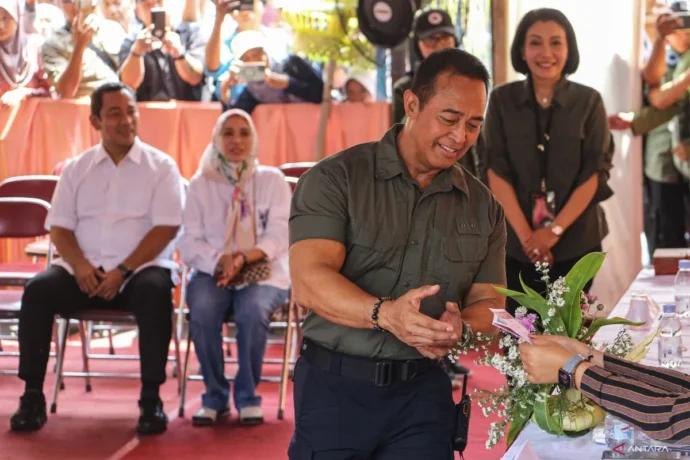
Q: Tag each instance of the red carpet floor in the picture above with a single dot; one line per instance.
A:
(100, 424)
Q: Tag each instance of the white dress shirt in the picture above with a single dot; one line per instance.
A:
(206, 215)
(110, 208)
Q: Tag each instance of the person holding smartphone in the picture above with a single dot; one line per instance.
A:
(267, 81)
(232, 18)
(84, 54)
(161, 62)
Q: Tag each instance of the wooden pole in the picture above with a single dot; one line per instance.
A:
(320, 146)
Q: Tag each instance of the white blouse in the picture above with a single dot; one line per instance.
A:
(206, 214)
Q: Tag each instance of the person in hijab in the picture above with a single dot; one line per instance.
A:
(360, 86)
(236, 216)
(20, 72)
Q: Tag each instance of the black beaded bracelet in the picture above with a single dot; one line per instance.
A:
(375, 313)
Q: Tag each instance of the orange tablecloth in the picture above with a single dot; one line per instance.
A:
(38, 134)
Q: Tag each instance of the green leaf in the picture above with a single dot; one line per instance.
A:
(517, 424)
(543, 417)
(601, 322)
(582, 273)
(529, 291)
(537, 305)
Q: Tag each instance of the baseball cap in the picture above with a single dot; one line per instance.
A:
(245, 41)
(432, 21)
(678, 6)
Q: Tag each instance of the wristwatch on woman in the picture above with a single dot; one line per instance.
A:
(566, 374)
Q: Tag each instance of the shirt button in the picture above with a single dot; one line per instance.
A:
(406, 284)
(415, 242)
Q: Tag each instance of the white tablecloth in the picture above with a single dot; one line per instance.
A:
(550, 447)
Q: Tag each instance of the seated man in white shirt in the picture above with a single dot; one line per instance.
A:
(114, 216)
(236, 214)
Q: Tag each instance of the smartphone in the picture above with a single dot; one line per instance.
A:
(242, 5)
(159, 22)
(685, 20)
(252, 71)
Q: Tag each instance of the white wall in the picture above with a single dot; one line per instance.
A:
(609, 34)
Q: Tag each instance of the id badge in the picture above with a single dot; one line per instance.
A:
(543, 209)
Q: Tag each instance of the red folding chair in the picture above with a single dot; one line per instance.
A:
(39, 187)
(292, 181)
(296, 169)
(19, 218)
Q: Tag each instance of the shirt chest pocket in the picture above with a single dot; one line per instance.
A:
(372, 250)
(463, 253)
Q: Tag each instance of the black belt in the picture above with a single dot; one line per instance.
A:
(380, 372)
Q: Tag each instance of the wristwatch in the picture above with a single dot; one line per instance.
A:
(126, 272)
(556, 230)
(566, 375)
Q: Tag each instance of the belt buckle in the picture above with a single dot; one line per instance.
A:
(383, 373)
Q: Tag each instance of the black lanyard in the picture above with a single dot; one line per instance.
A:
(543, 138)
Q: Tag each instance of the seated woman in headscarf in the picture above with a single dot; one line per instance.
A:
(236, 216)
(20, 70)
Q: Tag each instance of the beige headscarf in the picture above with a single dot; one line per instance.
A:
(240, 231)
(18, 62)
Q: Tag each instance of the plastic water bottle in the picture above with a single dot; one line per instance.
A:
(670, 340)
(618, 434)
(682, 289)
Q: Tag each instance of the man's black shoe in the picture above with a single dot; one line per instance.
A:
(152, 419)
(31, 415)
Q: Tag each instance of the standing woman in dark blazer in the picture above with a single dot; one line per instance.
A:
(544, 140)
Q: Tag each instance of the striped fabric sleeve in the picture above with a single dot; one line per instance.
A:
(666, 379)
(663, 415)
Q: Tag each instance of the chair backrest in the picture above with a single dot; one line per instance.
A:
(23, 217)
(296, 169)
(292, 181)
(39, 187)
(57, 170)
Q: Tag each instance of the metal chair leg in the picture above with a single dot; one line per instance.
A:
(226, 333)
(185, 372)
(60, 361)
(89, 334)
(56, 340)
(177, 372)
(84, 355)
(111, 333)
(287, 349)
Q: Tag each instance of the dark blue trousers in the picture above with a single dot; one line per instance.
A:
(339, 418)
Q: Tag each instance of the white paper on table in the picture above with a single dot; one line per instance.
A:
(551, 447)
(505, 322)
(527, 453)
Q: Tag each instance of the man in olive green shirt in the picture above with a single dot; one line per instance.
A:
(395, 250)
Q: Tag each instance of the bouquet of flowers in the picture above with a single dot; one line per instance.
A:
(560, 312)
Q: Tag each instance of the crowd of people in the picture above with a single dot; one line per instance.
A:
(163, 49)
(392, 283)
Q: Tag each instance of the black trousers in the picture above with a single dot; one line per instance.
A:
(339, 418)
(665, 215)
(533, 279)
(148, 295)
